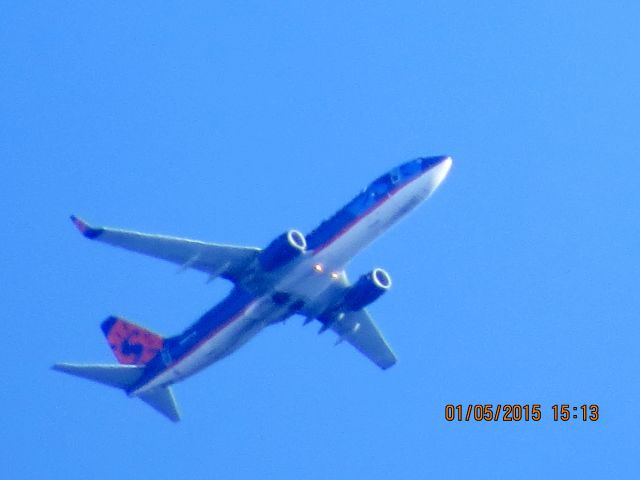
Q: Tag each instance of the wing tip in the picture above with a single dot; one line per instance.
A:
(84, 228)
(58, 367)
(387, 365)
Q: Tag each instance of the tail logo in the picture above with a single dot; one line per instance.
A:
(131, 344)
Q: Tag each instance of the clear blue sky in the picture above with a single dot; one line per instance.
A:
(516, 283)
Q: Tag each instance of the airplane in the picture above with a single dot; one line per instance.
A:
(295, 274)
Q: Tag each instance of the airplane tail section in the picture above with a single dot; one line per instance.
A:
(163, 401)
(133, 346)
(119, 376)
(131, 343)
(124, 377)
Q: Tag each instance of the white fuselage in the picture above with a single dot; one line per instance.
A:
(308, 278)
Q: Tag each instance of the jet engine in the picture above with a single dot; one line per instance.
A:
(368, 288)
(282, 250)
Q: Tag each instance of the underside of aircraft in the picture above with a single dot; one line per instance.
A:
(295, 274)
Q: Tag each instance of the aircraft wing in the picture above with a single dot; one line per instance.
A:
(358, 329)
(227, 261)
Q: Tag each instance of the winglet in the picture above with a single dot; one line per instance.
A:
(86, 229)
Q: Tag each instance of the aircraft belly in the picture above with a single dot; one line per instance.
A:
(308, 284)
(224, 343)
(238, 332)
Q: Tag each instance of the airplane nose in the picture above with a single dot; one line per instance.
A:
(428, 163)
(445, 165)
(436, 169)
(443, 168)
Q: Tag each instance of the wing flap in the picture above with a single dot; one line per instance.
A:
(227, 261)
(355, 327)
(359, 330)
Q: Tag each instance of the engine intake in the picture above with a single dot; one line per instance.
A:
(282, 250)
(367, 289)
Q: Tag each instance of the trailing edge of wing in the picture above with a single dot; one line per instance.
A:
(358, 329)
(227, 261)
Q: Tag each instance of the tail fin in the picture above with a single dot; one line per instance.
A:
(125, 376)
(131, 343)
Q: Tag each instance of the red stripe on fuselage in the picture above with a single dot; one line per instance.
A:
(212, 334)
(375, 206)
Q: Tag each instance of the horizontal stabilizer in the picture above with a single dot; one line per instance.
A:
(163, 401)
(119, 376)
(124, 377)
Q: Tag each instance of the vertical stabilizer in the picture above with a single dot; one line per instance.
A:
(131, 343)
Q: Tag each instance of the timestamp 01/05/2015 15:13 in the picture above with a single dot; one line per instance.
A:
(514, 412)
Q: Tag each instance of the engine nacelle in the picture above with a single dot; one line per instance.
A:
(368, 288)
(282, 250)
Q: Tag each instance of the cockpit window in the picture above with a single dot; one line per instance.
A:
(381, 186)
(410, 169)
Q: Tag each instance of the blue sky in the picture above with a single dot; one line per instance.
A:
(515, 283)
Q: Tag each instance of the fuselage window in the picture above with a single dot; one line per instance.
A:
(381, 186)
(395, 176)
(166, 357)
